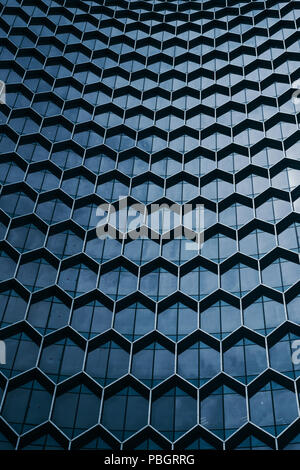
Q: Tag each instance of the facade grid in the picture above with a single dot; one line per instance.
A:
(145, 344)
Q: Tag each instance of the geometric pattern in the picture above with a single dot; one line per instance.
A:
(142, 344)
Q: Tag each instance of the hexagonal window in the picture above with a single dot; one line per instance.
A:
(293, 309)
(61, 359)
(42, 180)
(108, 119)
(273, 408)
(16, 204)
(223, 411)
(64, 244)
(174, 413)
(53, 211)
(86, 216)
(198, 363)
(273, 210)
(158, 284)
(257, 243)
(267, 157)
(107, 362)
(281, 274)
(170, 122)
(264, 315)
(38, 84)
(152, 144)
(286, 180)
(46, 107)
(292, 152)
(25, 238)
(27, 406)
(184, 143)
(10, 172)
(182, 191)
(140, 251)
(77, 57)
(166, 167)
(96, 97)
(118, 283)
(245, 360)
(263, 112)
(281, 130)
(233, 163)
(33, 152)
(232, 117)
(147, 192)
(217, 190)
(115, 80)
(88, 138)
(8, 266)
(56, 132)
(134, 321)
(179, 250)
(103, 250)
(66, 158)
(48, 315)
(177, 321)
(219, 247)
(87, 76)
(153, 364)
(67, 92)
(57, 70)
(36, 274)
(99, 163)
(216, 141)
(12, 307)
(199, 283)
(284, 355)
(18, 99)
(21, 354)
(112, 190)
(220, 319)
(91, 319)
(132, 65)
(155, 102)
(77, 280)
(240, 279)
(289, 237)
(24, 125)
(78, 186)
(77, 114)
(133, 166)
(138, 122)
(125, 412)
(199, 165)
(76, 410)
(126, 101)
(236, 215)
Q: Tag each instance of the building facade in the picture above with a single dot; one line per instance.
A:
(153, 341)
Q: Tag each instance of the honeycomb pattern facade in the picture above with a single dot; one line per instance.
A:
(143, 344)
